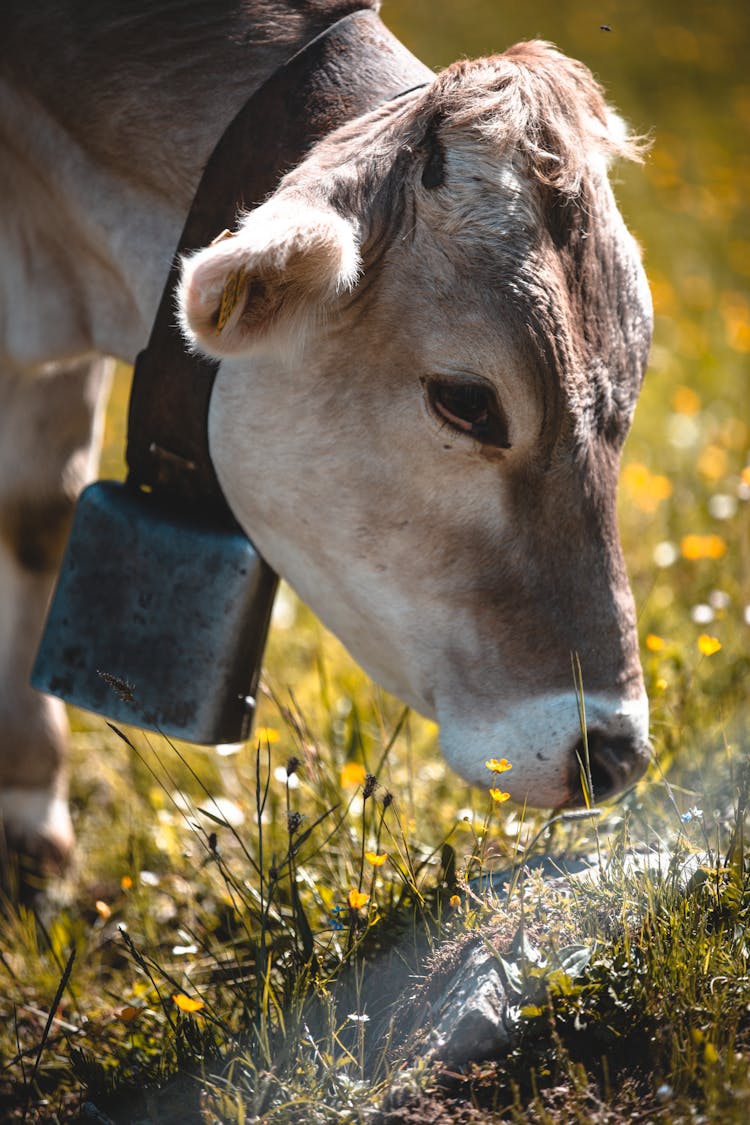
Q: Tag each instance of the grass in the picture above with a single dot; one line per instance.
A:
(190, 972)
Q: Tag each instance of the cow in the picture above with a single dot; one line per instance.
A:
(422, 394)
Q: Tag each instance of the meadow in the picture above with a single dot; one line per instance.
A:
(187, 971)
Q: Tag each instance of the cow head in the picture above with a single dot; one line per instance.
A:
(437, 331)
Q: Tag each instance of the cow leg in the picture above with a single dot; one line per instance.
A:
(50, 432)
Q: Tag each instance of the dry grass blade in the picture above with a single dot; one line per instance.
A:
(63, 984)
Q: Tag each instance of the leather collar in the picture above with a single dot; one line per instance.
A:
(348, 70)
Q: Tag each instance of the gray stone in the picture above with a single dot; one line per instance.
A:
(472, 1020)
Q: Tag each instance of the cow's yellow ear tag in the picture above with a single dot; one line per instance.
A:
(231, 295)
(225, 234)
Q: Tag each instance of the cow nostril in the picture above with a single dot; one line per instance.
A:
(614, 763)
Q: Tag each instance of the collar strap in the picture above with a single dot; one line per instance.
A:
(345, 72)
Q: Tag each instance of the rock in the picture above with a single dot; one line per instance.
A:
(477, 1013)
(471, 1019)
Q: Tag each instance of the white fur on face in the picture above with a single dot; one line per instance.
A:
(354, 492)
(530, 734)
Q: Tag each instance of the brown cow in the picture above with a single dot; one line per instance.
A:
(427, 383)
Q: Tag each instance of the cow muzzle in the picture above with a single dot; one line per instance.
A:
(604, 765)
(553, 761)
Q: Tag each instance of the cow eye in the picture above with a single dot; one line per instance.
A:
(470, 408)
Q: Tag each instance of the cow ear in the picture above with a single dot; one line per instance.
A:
(269, 281)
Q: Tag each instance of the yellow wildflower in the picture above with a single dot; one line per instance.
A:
(128, 1013)
(713, 462)
(686, 401)
(646, 489)
(352, 773)
(499, 765)
(702, 547)
(187, 1003)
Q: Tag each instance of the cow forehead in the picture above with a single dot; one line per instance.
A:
(488, 195)
(478, 275)
(486, 198)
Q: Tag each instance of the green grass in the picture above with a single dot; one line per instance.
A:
(226, 880)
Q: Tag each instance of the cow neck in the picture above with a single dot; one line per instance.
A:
(343, 73)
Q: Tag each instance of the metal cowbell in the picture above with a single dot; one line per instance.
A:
(159, 619)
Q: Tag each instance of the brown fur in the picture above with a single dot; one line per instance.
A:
(123, 76)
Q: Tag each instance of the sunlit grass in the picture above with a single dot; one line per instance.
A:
(218, 891)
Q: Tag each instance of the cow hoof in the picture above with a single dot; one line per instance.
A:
(36, 841)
